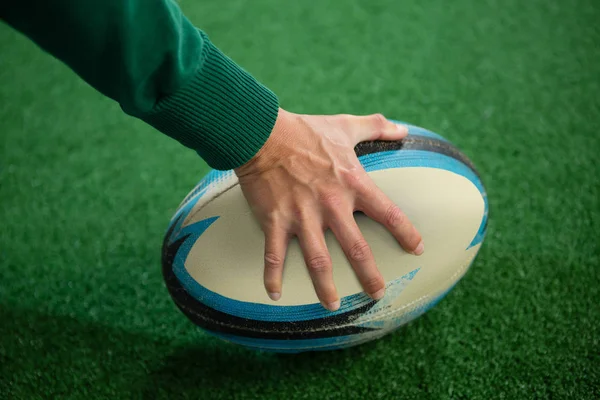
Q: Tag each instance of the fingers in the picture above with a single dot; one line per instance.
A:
(318, 262)
(276, 242)
(374, 127)
(359, 254)
(316, 257)
(375, 204)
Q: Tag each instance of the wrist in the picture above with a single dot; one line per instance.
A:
(273, 148)
(222, 112)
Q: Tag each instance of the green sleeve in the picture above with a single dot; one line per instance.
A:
(147, 56)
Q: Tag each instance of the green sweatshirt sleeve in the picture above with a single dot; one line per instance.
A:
(147, 56)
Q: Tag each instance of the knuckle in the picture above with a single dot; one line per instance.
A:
(360, 251)
(379, 121)
(319, 263)
(299, 213)
(269, 221)
(343, 121)
(273, 261)
(394, 216)
(355, 180)
(331, 199)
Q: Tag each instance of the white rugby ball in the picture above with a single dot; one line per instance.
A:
(213, 253)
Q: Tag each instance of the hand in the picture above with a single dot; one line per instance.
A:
(307, 179)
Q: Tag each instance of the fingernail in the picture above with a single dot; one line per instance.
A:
(402, 129)
(333, 306)
(378, 295)
(419, 250)
(274, 296)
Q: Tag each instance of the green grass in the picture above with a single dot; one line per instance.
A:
(86, 193)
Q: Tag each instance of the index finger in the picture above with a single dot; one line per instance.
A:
(375, 204)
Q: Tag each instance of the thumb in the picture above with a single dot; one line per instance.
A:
(376, 127)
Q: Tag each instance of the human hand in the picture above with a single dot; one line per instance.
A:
(307, 179)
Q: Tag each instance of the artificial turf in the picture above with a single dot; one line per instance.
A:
(86, 193)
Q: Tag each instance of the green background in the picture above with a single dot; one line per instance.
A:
(86, 193)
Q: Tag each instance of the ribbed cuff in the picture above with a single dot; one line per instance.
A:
(222, 112)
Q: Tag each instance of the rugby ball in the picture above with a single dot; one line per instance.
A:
(212, 255)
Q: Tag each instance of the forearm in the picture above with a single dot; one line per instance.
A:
(147, 56)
